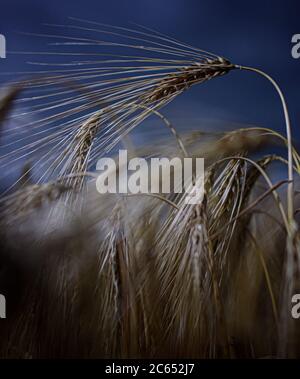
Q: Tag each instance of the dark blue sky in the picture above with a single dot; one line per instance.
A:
(255, 33)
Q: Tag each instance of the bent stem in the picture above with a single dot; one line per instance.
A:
(291, 229)
(290, 192)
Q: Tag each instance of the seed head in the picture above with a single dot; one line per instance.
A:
(185, 78)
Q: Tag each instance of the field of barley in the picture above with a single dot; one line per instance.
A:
(87, 275)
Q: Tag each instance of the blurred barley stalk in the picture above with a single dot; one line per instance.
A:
(141, 276)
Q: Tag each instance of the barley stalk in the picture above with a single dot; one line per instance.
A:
(290, 195)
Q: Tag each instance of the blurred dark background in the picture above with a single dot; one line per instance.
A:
(255, 33)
